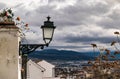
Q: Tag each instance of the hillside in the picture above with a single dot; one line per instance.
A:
(53, 54)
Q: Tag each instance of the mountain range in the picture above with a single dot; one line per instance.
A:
(63, 55)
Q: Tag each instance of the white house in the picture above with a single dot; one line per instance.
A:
(34, 71)
(40, 70)
(49, 68)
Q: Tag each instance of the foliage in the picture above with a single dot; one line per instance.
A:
(6, 15)
(102, 63)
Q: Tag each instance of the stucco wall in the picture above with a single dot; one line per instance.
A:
(34, 71)
(49, 68)
(9, 53)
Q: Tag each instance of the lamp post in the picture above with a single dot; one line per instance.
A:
(48, 31)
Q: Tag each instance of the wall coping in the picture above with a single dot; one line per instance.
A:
(8, 25)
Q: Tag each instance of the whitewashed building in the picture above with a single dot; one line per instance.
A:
(34, 71)
(40, 70)
(49, 68)
(9, 51)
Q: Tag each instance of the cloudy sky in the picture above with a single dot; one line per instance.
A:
(79, 22)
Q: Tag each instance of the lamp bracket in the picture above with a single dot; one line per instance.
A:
(29, 48)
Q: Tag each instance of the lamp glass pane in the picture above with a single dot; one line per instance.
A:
(48, 33)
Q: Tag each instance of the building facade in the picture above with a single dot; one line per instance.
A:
(34, 71)
(9, 51)
(49, 68)
(40, 70)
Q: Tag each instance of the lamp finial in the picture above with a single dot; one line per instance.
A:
(48, 18)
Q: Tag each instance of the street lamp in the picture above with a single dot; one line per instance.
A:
(48, 31)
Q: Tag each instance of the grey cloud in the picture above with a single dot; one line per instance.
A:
(88, 39)
(18, 5)
(79, 13)
(97, 9)
(70, 47)
(37, 16)
(69, 16)
(112, 21)
(110, 24)
(2, 6)
(73, 16)
(56, 0)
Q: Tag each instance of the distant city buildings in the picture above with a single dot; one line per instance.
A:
(44, 70)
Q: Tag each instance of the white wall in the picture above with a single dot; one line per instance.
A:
(34, 71)
(49, 68)
(9, 53)
(19, 67)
